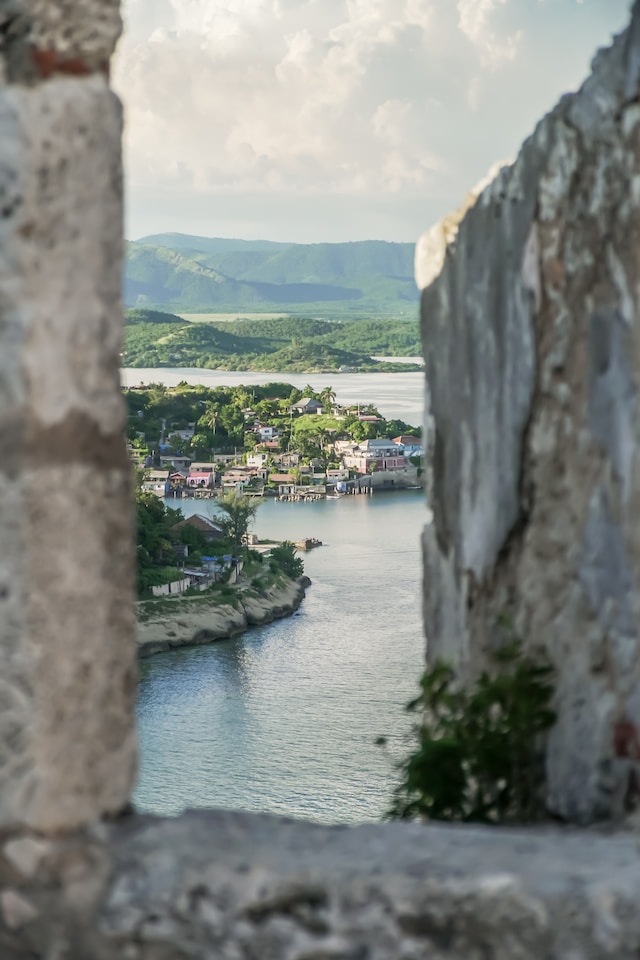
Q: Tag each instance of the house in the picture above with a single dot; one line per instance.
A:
(333, 474)
(285, 481)
(256, 459)
(177, 480)
(159, 488)
(266, 432)
(203, 467)
(281, 478)
(178, 463)
(156, 475)
(200, 479)
(412, 446)
(268, 445)
(186, 434)
(288, 459)
(306, 405)
(209, 529)
(344, 446)
(378, 455)
(156, 481)
(237, 478)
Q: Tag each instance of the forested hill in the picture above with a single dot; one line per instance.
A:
(156, 339)
(368, 278)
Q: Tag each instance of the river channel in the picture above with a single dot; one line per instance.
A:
(284, 718)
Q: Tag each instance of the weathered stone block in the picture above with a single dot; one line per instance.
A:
(39, 38)
(231, 885)
(67, 751)
(532, 343)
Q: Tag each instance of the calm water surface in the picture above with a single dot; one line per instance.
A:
(283, 719)
(398, 396)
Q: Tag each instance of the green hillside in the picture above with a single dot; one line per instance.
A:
(156, 339)
(199, 274)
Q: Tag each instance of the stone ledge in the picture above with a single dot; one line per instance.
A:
(232, 885)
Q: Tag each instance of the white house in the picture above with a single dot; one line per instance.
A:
(412, 446)
(256, 459)
(266, 432)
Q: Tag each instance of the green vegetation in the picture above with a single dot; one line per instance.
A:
(223, 420)
(200, 274)
(479, 755)
(156, 339)
(284, 557)
(156, 555)
(238, 515)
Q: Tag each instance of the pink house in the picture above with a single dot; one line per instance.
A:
(198, 478)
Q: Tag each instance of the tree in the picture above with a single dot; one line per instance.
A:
(267, 409)
(210, 416)
(238, 514)
(327, 397)
(284, 556)
(201, 445)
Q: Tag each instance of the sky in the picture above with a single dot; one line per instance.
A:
(332, 120)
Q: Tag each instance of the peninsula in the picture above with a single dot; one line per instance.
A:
(270, 440)
(201, 579)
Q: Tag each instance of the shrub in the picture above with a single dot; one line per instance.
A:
(480, 750)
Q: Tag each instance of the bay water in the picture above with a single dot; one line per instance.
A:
(284, 718)
(398, 396)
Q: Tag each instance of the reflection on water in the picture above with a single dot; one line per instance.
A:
(284, 718)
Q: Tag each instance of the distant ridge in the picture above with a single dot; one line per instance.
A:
(185, 241)
(184, 273)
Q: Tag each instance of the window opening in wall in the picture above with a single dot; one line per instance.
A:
(281, 161)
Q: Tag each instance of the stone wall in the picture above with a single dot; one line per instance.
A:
(534, 486)
(531, 336)
(67, 680)
(232, 886)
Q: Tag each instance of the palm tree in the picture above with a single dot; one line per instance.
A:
(210, 416)
(327, 397)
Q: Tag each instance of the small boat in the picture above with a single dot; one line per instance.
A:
(335, 496)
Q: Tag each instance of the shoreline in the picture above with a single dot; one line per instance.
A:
(202, 620)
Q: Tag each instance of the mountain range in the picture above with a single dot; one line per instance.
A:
(188, 274)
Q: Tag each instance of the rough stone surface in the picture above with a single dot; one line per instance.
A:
(67, 654)
(233, 886)
(532, 344)
(42, 38)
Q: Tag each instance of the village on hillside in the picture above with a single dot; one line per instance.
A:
(271, 440)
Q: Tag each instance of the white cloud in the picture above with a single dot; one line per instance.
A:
(306, 100)
(475, 19)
